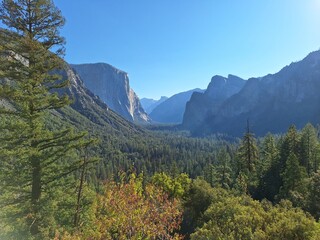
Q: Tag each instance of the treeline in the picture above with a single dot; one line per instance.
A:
(248, 189)
(275, 168)
(274, 180)
(146, 185)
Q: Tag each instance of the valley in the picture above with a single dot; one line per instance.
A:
(83, 157)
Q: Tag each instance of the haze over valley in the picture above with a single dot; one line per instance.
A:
(146, 120)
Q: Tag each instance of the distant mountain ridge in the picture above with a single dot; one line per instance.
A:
(271, 103)
(149, 104)
(112, 86)
(172, 109)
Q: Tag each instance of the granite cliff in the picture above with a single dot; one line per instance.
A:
(112, 86)
(91, 109)
(203, 104)
(271, 103)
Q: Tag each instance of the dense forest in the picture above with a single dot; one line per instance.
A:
(65, 176)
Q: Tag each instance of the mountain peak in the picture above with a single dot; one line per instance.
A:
(272, 103)
(220, 81)
(101, 65)
(221, 87)
(163, 98)
(217, 79)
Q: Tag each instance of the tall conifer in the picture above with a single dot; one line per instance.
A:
(33, 154)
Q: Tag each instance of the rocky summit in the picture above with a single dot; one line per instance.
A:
(204, 104)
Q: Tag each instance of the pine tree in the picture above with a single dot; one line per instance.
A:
(293, 178)
(309, 147)
(210, 174)
(247, 156)
(269, 153)
(33, 154)
(314, 195)
(248, 152)
(289, 145)
(269, 175)
(223, 169)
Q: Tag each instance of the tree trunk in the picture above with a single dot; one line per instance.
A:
(35, 193)
(82, 178)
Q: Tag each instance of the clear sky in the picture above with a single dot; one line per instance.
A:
(169, 46)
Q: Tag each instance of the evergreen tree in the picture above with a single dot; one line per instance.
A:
(289, 145)
(269, 154)
(269, 176)
(210, 174)
(247, 155)
(248, 152)
(241, 184)
(293, 178)
(314, 195)
(309, 147)
(223, 169)
(33, 154)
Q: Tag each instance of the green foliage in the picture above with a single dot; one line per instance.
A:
(247, 156)
(313, 199)
(268, 172)
(241, 185)
(232, 217)
(198, 199)
(223, 169)
(35, 153)
(175, 187)
(248, 153)
(269, 154)
(48, 188)
(126, 211)
(290, 145)
(220, 173)
(294, 180)
(309, 149)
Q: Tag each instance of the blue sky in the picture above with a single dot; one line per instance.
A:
(169, 46)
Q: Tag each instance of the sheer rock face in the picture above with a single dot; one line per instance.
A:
(271, 103)
(202, 105)
(92, 108)
(112, 86)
